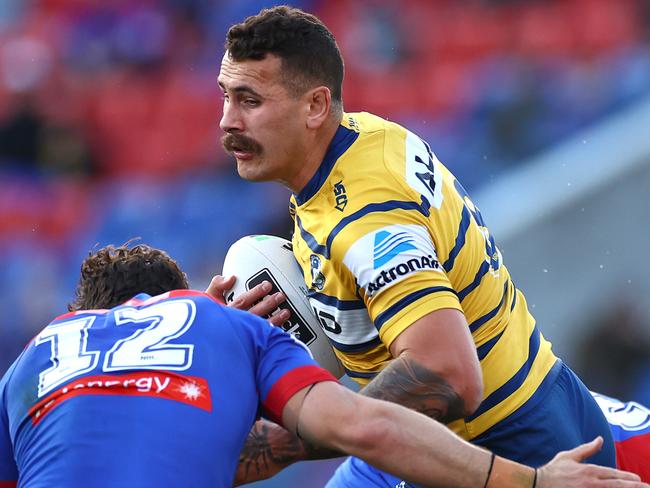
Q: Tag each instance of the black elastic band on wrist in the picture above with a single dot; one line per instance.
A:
(487, 480)
(535, 479)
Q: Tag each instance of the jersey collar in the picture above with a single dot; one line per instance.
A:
(341, 142)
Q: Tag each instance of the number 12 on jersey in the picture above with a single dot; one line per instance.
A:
(145, 348)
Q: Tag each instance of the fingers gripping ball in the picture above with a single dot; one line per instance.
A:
(254, 259)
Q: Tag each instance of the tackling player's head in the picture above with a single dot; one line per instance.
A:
(113, 275)
(282, 77)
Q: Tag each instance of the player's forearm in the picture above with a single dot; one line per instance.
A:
(411, 446)
(270, 448)
(406, 382)
(429, 454)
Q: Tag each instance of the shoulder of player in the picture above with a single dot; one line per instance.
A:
(209, 308)
(193, 295)
(379, 149)
(144, 301)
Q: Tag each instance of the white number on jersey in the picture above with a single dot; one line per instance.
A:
(146, 348)
(68, 352)
(423, 171)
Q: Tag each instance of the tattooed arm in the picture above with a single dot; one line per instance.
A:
(270, 448)
(414, 447)
(435, 370)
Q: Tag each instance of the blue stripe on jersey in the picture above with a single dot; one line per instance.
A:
(358, 374)
(310, 240)
(404, 302)
(363, 347)
(324, 251)
(510, 386)
(485, 267)
(484, 349)
(335, 302)
(481, 320)
(341, 142)
(510, 422)
(460, 239)
(514, 296)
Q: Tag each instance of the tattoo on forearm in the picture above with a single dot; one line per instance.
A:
(410, 384)
(268, 449)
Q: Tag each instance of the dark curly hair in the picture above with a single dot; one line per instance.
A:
(113, 275)
(308, 50)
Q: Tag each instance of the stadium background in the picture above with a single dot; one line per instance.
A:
(109, 130)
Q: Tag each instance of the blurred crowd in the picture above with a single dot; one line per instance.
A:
(109, 116)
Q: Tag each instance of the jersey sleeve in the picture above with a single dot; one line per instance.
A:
(395, 264)
(389, 245)
(8, 469)
(284, 366)
(630, 426)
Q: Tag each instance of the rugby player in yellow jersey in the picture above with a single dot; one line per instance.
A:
(403, 273)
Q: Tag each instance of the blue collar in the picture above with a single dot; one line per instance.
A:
(341, 142)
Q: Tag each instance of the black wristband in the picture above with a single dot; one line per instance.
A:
(535, 479)
(487, 480)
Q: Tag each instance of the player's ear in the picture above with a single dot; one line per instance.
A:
(319, 101)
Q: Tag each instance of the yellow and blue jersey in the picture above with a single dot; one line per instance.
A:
(385, 234)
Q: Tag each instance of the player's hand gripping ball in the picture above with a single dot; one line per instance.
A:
(254, 259)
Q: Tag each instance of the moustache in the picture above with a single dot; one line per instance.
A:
(238, 142)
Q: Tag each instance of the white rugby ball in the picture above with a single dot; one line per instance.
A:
(256, 258)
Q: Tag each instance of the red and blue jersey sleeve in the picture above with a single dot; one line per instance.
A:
(630, 426)
(284, 367)
(8, 469)
(633, 454)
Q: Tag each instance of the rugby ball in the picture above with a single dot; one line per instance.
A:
(256, 258)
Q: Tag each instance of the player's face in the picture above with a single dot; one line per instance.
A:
(264, 123)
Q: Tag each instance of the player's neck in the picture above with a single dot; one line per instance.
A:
(315, 154)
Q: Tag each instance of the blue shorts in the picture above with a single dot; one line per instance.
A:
(564, 416)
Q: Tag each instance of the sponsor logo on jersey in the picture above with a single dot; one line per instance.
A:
(346, 326)
(340, 196)
(388, 245)
(352, 122)
(190, 390)
(317, 276)
(389, 254)
(387, 276)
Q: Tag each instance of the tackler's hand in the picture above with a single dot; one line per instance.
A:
(567, 469)
(256, 300)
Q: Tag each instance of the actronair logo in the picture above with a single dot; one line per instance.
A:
(383, 257)
(387, 276)
(388, 245)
